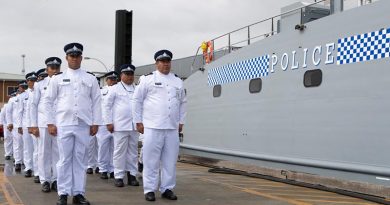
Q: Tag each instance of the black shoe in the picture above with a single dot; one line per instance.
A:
(140, 167)
(18, 167)
(89, 171)
(150, 196)
(97, 170)
(112, 175)
(62, 200)
(7, 157)
(46, 187)
(119, 183)
(54, 186)
(131, 180)
(80, 199)
(168, 194)
(104, 175)
(36, 179)
(28, 173)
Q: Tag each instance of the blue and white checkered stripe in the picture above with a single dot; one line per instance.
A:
(247, 69)
(364, 47)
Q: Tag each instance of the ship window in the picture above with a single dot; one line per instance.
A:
(255, 85)
(312, 78)
(217, 90)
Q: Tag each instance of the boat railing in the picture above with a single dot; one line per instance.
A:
(227, 42)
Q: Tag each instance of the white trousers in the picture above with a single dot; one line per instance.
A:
(73, 158)
(105, 150)
(35, 155)
(8, 150)
(92, 152)
(28, 150)
(17, 146)
(160, 146)
(47, 156)
(125, 153)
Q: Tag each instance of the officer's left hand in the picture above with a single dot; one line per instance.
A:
(93, 130)
(20, 130)
(180, 128)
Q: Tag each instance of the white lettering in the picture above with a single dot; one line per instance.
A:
(304, 65)
(329, 57)
(274, 62)
(284, 58)
(294, 64)
(319, 50)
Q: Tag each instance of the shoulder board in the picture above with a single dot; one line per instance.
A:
(176, 76)
(59, 73)
(149, 74)
(90, 73)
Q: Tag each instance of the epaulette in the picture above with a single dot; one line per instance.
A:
(90, 73)
(59, 73)
(176, 76)
(149, 74)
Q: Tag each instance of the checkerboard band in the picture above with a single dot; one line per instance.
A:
(242, 70)
(364, 47)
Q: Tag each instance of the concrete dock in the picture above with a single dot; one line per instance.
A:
(195, 186)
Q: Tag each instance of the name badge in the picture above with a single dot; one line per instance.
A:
(45, 88)
(65, 80)
(157, 84)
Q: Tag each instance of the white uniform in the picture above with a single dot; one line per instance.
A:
(22, 116)
(117, 111)
(93, 152)
(7, 134)
(35, 139)
(17, 138)
(47, 144)
(105, 141)
(78, 107)
(159, 103)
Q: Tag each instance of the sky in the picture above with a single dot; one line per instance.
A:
(40, 28)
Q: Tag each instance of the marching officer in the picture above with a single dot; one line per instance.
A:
(13, 124)
(48, 148)
(6, 133)
(159, 109)
(76, 118)
(119, 120)
(24, 119)
(104, 137)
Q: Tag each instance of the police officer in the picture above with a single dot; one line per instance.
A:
(14, 124)
(77, 117)
(104, 137)
(6, 133)
(24, 119)
(119, 120)
(159, 112)
(47, 144)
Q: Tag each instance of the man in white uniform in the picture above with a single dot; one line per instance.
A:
(119, 120)
(78, 114)
(47, 143)
(13, 124)
(23, 118)
(104, 137)
(159, 112)
(6, 133)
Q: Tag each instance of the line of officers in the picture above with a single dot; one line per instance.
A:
(58, 123)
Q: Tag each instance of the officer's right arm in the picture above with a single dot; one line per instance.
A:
(34, 105)
(107, 109)
(138, 102)
(48, 103)
(9, 112)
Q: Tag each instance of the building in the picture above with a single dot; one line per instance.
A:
(8, 84)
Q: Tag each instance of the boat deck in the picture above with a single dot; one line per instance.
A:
(195, 186)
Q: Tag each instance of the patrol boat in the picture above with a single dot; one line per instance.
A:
(309, 102)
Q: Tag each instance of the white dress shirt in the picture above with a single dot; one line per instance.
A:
(159, 101)
(117, 109)
(78, 98)
(37, 110)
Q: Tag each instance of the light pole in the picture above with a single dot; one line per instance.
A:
(23, 69)
(90, 58)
